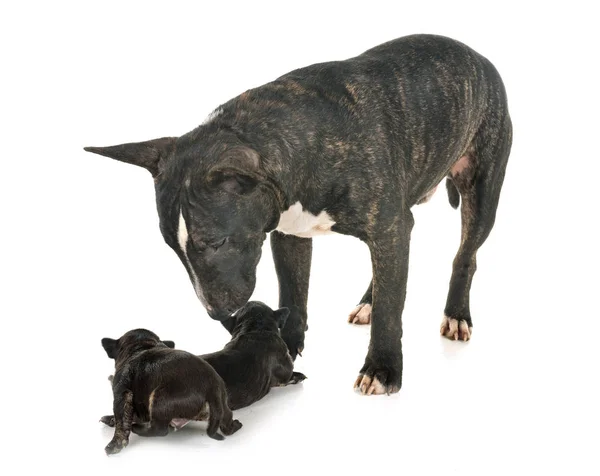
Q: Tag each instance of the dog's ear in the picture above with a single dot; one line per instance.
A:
(236, 171)
(281, 316)
(151, 154)
(110, 346)
(169, 343)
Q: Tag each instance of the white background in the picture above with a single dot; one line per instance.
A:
(82, 256)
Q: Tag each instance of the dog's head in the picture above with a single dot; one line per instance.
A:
(132, 342)
(256, 316)
(215, 207)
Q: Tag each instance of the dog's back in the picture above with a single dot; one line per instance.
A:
(169, 383)
(250, 366)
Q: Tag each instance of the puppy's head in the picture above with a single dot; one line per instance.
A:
(133, 341)
(256, 316)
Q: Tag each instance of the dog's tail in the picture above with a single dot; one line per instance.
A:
(453, 195)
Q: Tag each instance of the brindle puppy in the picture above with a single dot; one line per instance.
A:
(155, 384)
(255, 360)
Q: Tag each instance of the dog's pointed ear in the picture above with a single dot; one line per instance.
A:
(236, 171)
(169, 343)
(281, 316)
(151, 154)
(110, 346)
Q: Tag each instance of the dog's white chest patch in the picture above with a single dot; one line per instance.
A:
(296, 221)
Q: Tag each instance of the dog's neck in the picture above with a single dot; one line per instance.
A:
(289, 180)
(130, 351)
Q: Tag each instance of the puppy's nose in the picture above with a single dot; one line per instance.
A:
(218, 314)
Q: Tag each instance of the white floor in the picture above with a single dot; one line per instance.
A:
(82, 257)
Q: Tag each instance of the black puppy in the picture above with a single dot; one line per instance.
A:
(256, 358)
(155, 384)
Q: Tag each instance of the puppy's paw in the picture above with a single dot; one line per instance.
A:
(116, 445)
(455, 329)
(380, 376)
(235, 426)
(216, 436)
(297, 377)
(361, 314)
(108, 420)
(293, 335)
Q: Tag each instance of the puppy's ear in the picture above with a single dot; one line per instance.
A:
(169, 343)
(151, 154)
(110, 346)
(237, 171)
(281, 316)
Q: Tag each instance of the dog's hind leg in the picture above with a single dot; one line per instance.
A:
(478, 176)
(227, 424)
(215, 415)
(154, 428)
(123, 408)
(361, 314)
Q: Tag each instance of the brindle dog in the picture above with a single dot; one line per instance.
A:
(348, 147)
(155, 385)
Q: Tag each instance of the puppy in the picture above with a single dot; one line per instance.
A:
(155, 386)
(256, 358)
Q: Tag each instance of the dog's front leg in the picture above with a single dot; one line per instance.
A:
(382, 372)
(292, 257)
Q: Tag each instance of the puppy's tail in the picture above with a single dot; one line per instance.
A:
(453, 195)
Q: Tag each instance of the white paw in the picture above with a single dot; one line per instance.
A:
(360, 315)
(454, 329)
(369, 386)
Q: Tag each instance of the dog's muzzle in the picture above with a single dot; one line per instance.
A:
(219, 314)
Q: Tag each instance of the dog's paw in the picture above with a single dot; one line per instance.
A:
(297, 377)
(116, 445)
(361, 314)
(378, 378)
(235, 426)
(293, 335)
(454, 329)
(108, 420)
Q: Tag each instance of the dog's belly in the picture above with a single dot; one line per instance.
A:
(299, 222)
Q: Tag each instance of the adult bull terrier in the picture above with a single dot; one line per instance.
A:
(348, 147)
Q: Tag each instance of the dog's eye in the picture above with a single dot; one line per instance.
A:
(217, 244)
